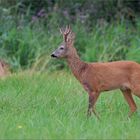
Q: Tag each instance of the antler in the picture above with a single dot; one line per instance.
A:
(65, 32)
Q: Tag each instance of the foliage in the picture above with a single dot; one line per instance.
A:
(29, 31)
(87, 11)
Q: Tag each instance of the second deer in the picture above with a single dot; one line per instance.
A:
(99, 77)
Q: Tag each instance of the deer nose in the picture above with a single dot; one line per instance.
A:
(53, 55)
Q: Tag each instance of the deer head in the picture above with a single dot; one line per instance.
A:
(65, 49)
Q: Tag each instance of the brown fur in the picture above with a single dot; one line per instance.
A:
(4, 68)
(98, 77)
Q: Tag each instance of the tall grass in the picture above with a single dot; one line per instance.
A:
(30, 46)
(27, 43)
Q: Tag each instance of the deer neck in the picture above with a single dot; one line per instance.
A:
(76, 65)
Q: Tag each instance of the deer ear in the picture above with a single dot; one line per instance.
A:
(73, 36)
(70, 38)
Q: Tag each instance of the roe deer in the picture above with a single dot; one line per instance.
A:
(98, 77)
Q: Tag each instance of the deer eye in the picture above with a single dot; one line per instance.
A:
(61, 48)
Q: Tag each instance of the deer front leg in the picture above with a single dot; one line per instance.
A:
(93, 96)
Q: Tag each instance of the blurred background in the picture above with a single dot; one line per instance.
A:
(106, 30)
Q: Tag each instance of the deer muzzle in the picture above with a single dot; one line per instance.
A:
(53, 55)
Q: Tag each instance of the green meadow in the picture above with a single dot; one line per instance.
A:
(54, 105)
(41, 99)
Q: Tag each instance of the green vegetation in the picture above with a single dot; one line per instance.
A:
(44, 102)
(30, 31)
(27, 47)
(54, 106)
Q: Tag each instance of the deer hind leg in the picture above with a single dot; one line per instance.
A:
(93, 96)
(128, 97)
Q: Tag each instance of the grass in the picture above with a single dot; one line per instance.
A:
(53, 106)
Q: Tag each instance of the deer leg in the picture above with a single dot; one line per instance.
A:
(128, 97)
(93, 96)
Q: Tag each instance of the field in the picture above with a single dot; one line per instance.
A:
(53, 106)
(41, 99)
